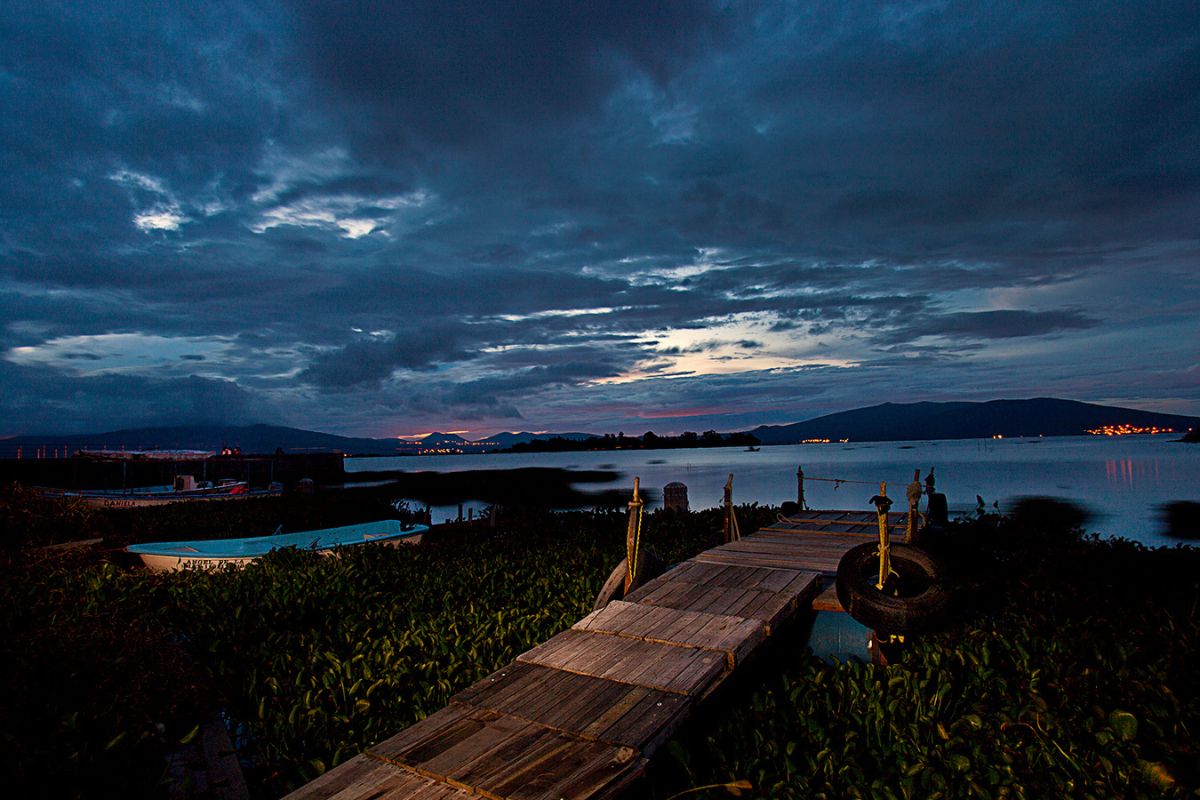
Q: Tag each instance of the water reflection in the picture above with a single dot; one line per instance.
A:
(1126, 471)
(1122, 480)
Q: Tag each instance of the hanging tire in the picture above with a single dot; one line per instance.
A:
(914, 601)
(614, 587)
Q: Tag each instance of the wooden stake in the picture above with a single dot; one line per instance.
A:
(633, 532)
(885, 565)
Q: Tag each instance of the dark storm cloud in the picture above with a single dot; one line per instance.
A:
(454, 72)
(400, 215)
(364, 364)
(512, 385)
(68, 404)
(990, 325)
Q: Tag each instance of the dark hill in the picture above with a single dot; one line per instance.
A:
(508, 439)
(1041, 416)
(258, 439)
(247, 438)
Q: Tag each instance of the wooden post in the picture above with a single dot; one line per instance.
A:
(633, 534)
(729, 509)
(882, 503)
(800, 488)
(914, 500)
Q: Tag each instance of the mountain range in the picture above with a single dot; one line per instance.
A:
(1042, 416)
(264, 439)
(886, 422)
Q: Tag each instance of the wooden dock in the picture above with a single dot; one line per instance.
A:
(580, 715)
(817, 539)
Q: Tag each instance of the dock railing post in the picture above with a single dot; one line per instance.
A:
(633, 536)
(731, 532)
(914, 499)
(882, 504)
(800, 488)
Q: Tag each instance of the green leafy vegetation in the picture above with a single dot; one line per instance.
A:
(310, 659)
(1068, 669)
(1069, 672)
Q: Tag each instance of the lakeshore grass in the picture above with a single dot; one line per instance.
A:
(1068, 669)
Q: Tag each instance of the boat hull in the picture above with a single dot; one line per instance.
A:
(210, 554)
(156, 497)
(141, 501)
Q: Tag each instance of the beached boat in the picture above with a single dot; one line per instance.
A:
(170, 556)
(145, 455)
(185, 489)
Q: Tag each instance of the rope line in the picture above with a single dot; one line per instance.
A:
(843, 480)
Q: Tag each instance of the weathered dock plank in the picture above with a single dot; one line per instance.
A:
(832, 522)
(670, 668)
(817, 552)
(734, 636)
(771, 608)
(363, 776)
(592, 708)
(499, 755)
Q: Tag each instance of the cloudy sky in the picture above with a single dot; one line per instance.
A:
(389, 218)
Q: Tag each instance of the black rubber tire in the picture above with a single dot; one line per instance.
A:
(614, 587)
(918, 610)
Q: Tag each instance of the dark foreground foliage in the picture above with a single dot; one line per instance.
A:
(310, 659)
(1068, 669)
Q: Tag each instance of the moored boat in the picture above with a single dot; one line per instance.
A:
(171, 556)
(185, 489)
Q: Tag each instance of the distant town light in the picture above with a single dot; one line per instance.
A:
(1126, 429)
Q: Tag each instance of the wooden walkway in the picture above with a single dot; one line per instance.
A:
(818, 538)
(580, 715)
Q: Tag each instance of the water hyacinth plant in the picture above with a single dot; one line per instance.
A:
(1067, 669)
(310, 659)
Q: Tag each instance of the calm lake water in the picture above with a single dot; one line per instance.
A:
(1122, 481)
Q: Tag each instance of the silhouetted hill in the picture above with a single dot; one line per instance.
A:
(500, 441)
(247, 438)
(1041, 416)
(261, 439)
(508, 439)
(437, 439)
(887, 422)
